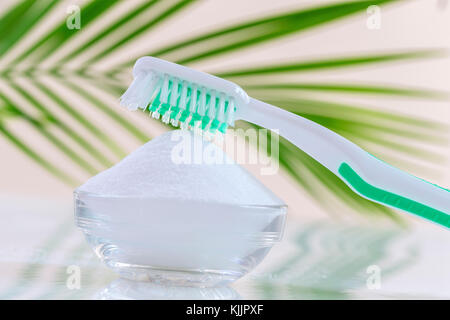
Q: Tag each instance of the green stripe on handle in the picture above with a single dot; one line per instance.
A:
(392, 199)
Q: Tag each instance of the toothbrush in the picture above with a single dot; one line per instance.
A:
(192, 99)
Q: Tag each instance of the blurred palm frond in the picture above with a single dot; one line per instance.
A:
(43, 84)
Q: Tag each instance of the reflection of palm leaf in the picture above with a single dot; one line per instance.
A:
(331, 261)
(43, 89)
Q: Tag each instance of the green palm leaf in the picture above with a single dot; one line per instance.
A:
(342, 62)
(345, 88)
(254, 32)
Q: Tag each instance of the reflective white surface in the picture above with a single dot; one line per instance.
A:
(44, 256)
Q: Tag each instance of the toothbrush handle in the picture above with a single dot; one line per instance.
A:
(366, 175)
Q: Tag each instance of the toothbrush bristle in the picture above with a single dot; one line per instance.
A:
(180, 102)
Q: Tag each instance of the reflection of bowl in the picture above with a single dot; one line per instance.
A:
(178, 242)
(123, 289)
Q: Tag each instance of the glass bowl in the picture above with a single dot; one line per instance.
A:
(175, 242)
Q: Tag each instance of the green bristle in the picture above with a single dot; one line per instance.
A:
(155, 103)
(205, 122)
(223, 127)
(164, 108)
(214, 125)
(172, 109)
(184, 115)
(172, 112)
(195, 117)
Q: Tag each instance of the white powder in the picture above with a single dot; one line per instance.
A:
(154, 170)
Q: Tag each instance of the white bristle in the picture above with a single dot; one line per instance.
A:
(165, 89)
(221, 112)
(150, 91)
(187, 121)
(229, 115)
(193, 104)
(184, 125)
(154, 93)
(183, 96)
(174, 93)
(212, 105)
(202, 102)
(166, 117)
(140, 92)
(208, 126)
(197, 125)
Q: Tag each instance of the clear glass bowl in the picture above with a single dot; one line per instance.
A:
(175, 242)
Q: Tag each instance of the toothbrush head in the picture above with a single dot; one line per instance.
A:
(183, 97)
